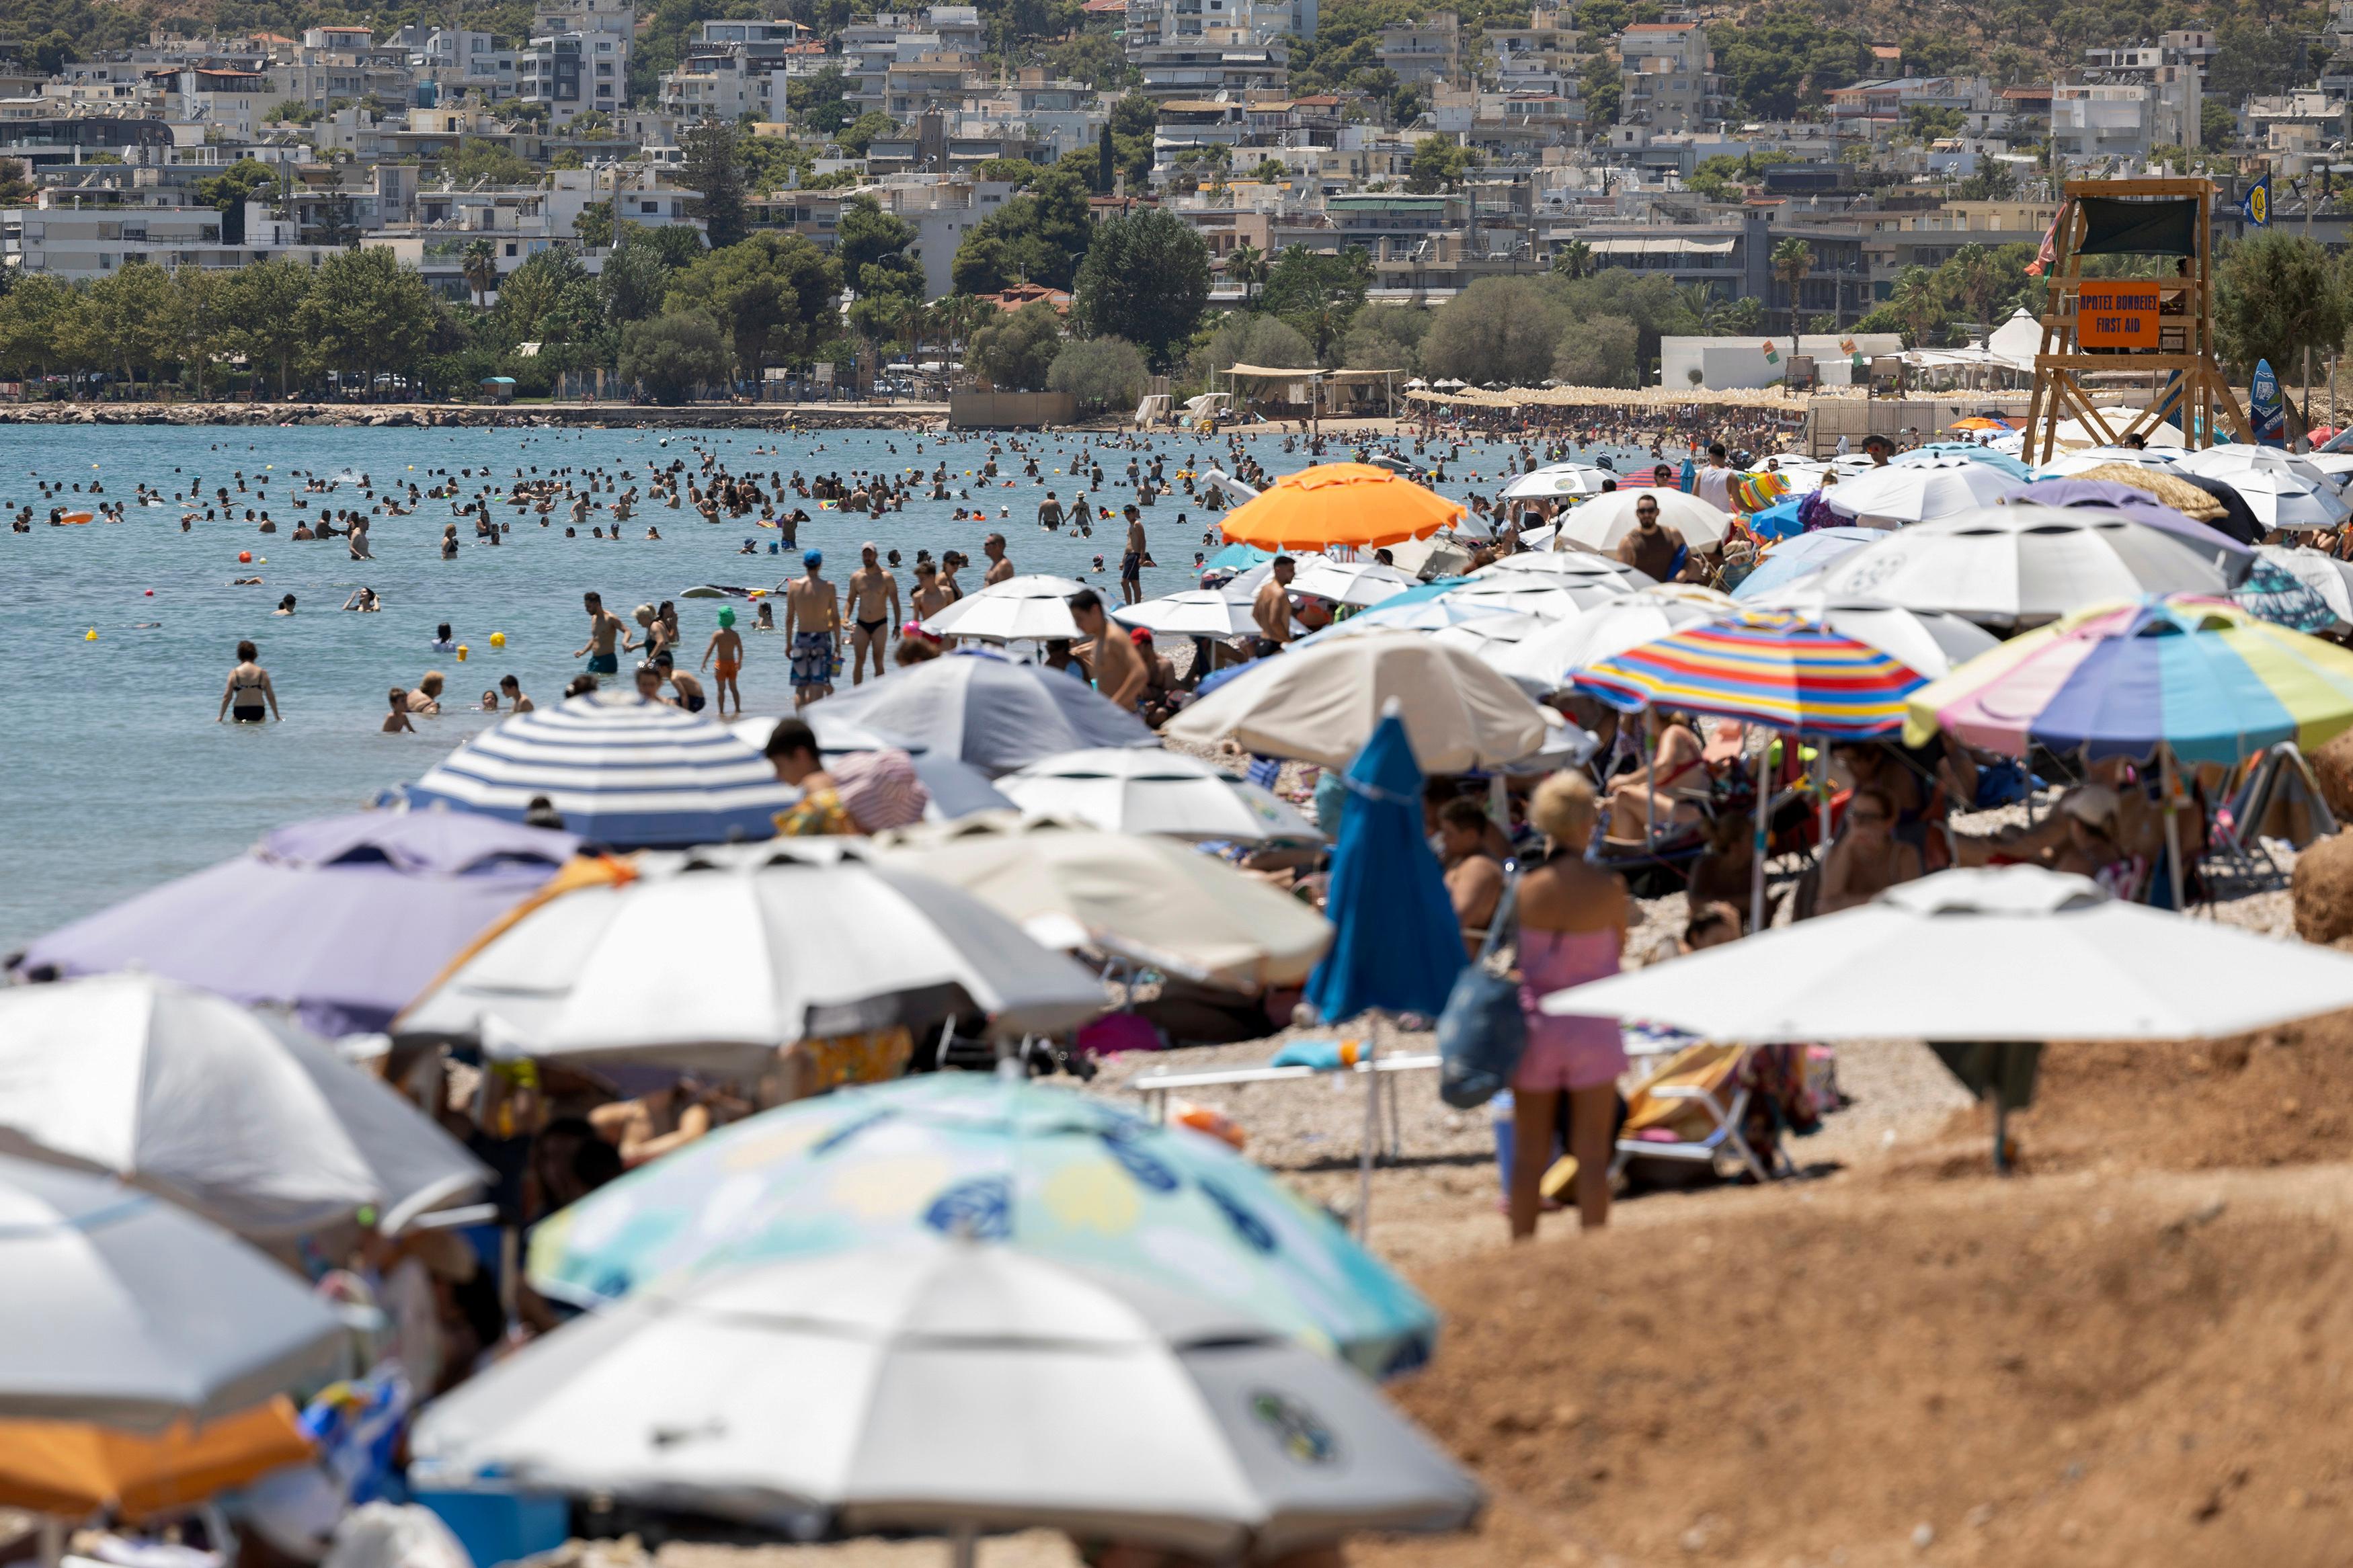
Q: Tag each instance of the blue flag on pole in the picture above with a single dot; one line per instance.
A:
(2259, 202)
(2265, 406)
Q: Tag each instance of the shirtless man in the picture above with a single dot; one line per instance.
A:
(604, 626)
(727, 645)
(929, 598)
(874, 601)
(1271, 606)
(1120, 672)
(357, 540)
(813, 632)
(1049, 513)
(1001, 566)
(1131, 561)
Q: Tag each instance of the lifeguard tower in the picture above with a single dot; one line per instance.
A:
(2162, 326)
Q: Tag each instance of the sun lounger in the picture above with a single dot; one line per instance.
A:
(1692, 1109)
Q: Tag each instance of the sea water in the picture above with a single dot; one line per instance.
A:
(117, 775)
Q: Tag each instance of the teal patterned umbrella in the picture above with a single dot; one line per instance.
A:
(1050, 1171)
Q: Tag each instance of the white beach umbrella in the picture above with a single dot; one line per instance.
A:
(1543, 594)
(1915, 493)
(1556, 479)
(1484, 635)
(1192, 613)
(1167, 793)
(1928, 642)
(2013, 565)
(951, 1387)
(1601, 522)
(231, 1114)
(992, 712)
(126, 1311)
(1567, 563)
(1030, 608)
(724, 957)
(2281, 489)
(1320, 705)
(1360, 583)
(1545, 660)
(2322, 572)
(2065, 465)
(1152, 900)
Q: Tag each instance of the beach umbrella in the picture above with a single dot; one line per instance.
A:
(2142, 506)
(1167, 793)
(2329, 578)
(1192, 613)
(2012, 566)
(1546, 660)
(1052, 1172)
(127, 1310)
(1411, 612)
(1601, 524)
(2236, 518)
(1915, 493)
(233, 1114)
(1151, 901)
(2204, 679)
(1323, 704)
(1030, 608)
(952, 1388)
(1358, 582)
(957, 788)
(2080, 462)
(1782, 520)
(1928, 642)
(1962, 451)
(2058, 959)
(71, 1469)
(1481, 634)
(1802, 556)
(1785, 671)
(795, 941)
(988, 710)
(1557, 479)
(1355, 504)
(343, 918)
(2282, 490)
(620, 770)
(1572, 567)
(1396, 945)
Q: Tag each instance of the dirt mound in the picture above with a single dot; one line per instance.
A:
(2322, 886)
(1995, 1373)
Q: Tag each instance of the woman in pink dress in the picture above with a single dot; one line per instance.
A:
(1572, 929)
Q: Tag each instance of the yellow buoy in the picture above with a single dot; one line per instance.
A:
(462, 651)
(90, 636)
(498, 639)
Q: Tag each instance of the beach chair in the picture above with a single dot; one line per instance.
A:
(1691, 1110)
(2276, 782)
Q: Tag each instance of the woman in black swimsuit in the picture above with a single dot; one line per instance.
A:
(248, 690)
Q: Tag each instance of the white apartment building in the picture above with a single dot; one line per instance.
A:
(1664, 76)
(80, 244)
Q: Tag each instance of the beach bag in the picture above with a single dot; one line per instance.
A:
(1481, 1032)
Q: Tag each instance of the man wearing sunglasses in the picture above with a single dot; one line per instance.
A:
(1652, 546)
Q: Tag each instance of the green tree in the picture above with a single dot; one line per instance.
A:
(1252, 340)
(672, 354)
(678, 244)
(1016, 351)
(1386, 337)
(1317, 293)
(2218, 125)
(265, 301)
(367, 314)
(1918, 304)
(1790, 260)
(1106, 163)
(248, 179)
(16, 188)
(769, 294)
(859, 135)
(1246, 265)
(1099, 373)
(1437, 166)
(1974, 279)
(35, 326)
(1574, 260)
(197, 313)
(1134, 115)
(634, 278)
(2253, 54)
(1146, 279)
(1037, 236)
(476, 158)
(1599, 83)
(711, 164)
(1602, 350)
(135, 312)
(819, 100)
(1498, 328)
(593, 226)
(480, 268)
(2276, 295)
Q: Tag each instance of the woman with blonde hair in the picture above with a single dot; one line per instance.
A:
(1572, 929)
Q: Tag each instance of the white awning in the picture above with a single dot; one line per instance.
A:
(1663, 244)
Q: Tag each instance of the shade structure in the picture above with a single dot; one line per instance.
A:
(621, 771)
(1915, 493)
(75, 1468)
(341, 919)
(2281, 489)
(1149, 900)
(956, 787)
(1047, 1171)
(2056, 957)
(1167, 792)
(2203, 678)
(1192, 613)
(1396, 945)
(952, 1388)
(988, 710)
(1779, 669)
(2322, 572)
(1354, 583)
(1927, 642)
(1802, 556)
(2020, 565)
(793, 941)
(127, 1310)
(1546, 659)
(1962, 452)
(231, 1114)
(1603, 521)
(1354, 504)
(1555, 480)
(1027, 608)
(1322, 705)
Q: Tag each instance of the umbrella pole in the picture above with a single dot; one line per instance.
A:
(1371, 1069)
(1757, 871)
(964, 1547)
(1822, 796)
(2172, 827)
(2000, 1133)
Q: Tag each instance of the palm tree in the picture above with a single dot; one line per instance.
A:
(1574, 260)
(1246, 265)
(1915, 303)
(1975, 279)
(1792, 259)
(1702, 313)
(481, 268)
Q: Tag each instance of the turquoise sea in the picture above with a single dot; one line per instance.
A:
(117, 775)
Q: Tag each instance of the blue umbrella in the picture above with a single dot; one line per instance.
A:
(1778, 520)
(1808, 553)
(1235, 559)
(344, 918)
(980, 707)
(1396, 944)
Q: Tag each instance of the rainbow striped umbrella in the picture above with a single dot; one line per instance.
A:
(2206, 678)
(1781, 670)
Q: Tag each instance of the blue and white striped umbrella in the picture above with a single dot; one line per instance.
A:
(622, 771)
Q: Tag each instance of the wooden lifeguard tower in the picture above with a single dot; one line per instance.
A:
(2161, 326)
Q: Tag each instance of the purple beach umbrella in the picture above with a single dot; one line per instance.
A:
(343, 919)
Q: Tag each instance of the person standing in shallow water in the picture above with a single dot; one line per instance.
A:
(249, 698)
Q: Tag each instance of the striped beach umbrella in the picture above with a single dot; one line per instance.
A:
(622, 771)
(2206, 679)
(1781, 670)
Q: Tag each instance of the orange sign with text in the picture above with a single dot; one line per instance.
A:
(2117, 314)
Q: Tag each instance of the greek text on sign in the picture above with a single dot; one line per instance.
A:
(2111, 315)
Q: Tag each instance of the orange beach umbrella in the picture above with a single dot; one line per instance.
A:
(1339, 503)
(74, 1468)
